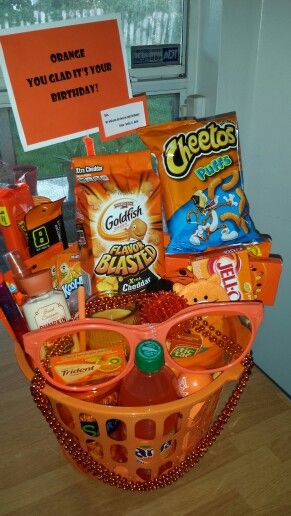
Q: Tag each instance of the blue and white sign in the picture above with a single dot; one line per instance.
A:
(154, 55)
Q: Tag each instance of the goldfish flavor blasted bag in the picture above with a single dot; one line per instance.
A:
(119, 222)
(201, 180)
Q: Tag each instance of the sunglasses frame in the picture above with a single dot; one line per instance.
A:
(33, 340)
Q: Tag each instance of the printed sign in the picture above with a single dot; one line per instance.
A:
(155, 55)
(121, 120)
(60, 76)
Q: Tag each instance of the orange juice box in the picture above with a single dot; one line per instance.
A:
(88, 367)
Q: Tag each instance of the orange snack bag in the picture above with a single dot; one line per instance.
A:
(202, 185)
(15, 202)
(119, 222)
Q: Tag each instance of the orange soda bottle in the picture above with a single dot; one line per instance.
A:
(150, 382)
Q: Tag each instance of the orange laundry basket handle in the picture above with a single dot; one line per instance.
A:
(90, 466)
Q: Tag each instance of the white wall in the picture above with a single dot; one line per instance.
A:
(208, 54)
(254, 79)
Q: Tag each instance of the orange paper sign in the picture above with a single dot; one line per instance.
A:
(60, 77)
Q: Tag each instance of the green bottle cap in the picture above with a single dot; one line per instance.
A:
(149, 356)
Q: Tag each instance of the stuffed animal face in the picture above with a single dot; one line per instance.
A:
(206, 290)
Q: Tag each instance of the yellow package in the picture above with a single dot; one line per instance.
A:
(119, 222)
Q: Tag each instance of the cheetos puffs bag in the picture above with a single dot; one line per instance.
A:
(201, 180)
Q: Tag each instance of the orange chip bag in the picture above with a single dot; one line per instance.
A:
(119, 222)
(202, 184)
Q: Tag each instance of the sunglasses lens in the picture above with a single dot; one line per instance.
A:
(209, 341)
(87, 358)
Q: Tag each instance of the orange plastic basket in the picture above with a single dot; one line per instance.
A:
(82, 429)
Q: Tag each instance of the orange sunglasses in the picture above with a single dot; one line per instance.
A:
(205, 338)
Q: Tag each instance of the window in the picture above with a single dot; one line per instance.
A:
(54, 161)
(142, 23)
(150, 22)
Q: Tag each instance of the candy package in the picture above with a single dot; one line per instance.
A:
(88, 367)
(45, 226)
(201, 179)
(119, 222)
(15, 202)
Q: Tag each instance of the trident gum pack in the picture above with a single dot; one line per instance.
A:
(201, 180)
(119, 222)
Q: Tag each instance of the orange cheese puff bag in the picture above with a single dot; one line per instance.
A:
(202, 186)
(119, 222)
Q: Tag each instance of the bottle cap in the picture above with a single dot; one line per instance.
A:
(149, 356)
(16, 264)
(37, 283)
